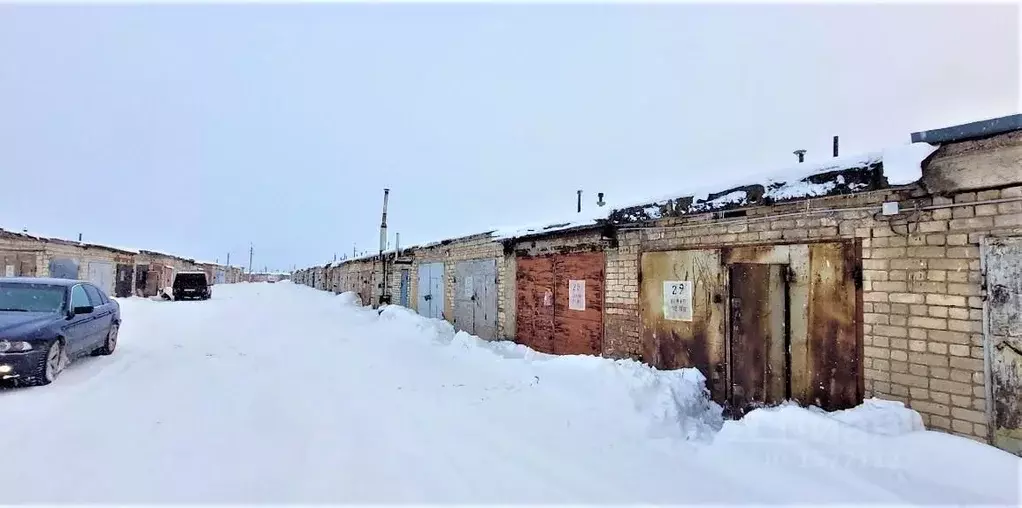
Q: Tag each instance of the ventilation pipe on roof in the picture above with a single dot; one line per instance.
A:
(384, 295)
(79, 237)
(599, 199)
(579, 202)
(383, 223)
(835, 146)
(801, 155)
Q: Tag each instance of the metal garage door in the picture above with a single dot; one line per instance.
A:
(405, 282)
(560, 303)
(475, 297)
(64, 268)
(101, 274)
(17, 264)
(431, 290)
(1002, 258)
(125, 276)
(762, 323)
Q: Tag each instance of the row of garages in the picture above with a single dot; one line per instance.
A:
(120, 272)
(843, 283)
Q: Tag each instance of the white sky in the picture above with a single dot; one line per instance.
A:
(197, 129)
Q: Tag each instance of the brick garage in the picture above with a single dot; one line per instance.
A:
(922, 297)
(454, 263)
(20, 255)
(362, 276)
(907, 291)
(543, 269)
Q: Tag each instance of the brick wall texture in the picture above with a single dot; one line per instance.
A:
(922, 294)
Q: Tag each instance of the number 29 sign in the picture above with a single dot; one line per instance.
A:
(678, 300)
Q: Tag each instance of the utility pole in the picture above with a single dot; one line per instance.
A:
(251, 251)
(228, 259)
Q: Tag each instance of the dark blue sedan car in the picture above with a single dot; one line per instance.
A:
(47, 323)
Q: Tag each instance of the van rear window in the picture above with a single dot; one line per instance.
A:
(190, 279)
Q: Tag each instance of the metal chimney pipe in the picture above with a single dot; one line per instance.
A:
(579, 202)
(397, 242)
(835, 146)
(383, 224)
(599, 199)
(801, 155)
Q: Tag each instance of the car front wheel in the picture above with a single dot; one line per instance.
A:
(52, 364)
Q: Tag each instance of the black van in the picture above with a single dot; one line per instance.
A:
(191, 285)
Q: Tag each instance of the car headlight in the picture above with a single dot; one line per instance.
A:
(18, 346)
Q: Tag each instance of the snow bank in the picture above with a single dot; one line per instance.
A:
(878, 416)
(664, 403)
(349, 299)
(671, 403)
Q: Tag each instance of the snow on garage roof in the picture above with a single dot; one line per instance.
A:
(896, 166)
(49, 238)
(899, 165)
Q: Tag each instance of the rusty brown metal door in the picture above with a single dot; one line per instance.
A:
(1002, 259)
(17, 264)
(758, 367)
(534, 297)
(682, 308)
(578, 304)
(832, 347)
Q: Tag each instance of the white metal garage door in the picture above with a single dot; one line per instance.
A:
(101, 274)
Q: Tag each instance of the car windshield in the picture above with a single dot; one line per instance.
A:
(20, 297)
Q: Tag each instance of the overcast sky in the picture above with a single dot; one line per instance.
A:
(197, 129)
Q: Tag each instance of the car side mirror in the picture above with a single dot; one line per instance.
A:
(84, 309)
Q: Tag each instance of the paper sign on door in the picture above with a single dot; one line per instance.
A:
(577, 294)
(469, 292)
(9, 271)
(678, 300)
(548, 298)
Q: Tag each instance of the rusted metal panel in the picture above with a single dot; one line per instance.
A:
(758, 341)
(1003, 342)
(17, 263)
(578, 303)
(125, 276)
(799, 276)
(698, 342)
(534, 301)
(833, 360)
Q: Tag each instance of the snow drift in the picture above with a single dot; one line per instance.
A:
(669, 403)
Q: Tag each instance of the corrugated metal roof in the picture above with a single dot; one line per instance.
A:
(971, 130)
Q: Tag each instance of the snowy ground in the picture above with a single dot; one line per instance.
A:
(276, 393)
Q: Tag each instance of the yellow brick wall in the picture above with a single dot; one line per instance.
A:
(922, 294)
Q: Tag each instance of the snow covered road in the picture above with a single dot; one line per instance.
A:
(276, 393)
